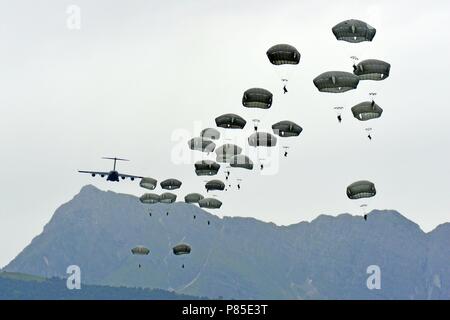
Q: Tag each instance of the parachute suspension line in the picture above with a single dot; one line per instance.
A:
(364, 210)
(372, 95)
(286, 150)
(369, 131)
(355, 62)
(256, 124)
(238, 183)
(227, 172)
(283, 73)
(280, 74)
(285, 81)
(339, 111)
(261, 163)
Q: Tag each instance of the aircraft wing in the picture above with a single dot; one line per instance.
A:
(123, 176)
(95, 172)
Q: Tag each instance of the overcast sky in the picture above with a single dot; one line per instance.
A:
(141, 77)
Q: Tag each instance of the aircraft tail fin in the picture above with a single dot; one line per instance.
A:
(115, 159)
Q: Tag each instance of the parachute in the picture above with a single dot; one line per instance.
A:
(367, 110)
(193, 198)
(168, 197)
(257, 98)
(262, 139)
(206, 168)
(181, 249)
(215, 185)
(361, 189)
(336, 81)
(361, 192)
(148, 183)
(140, 250)
(286, 129)
(230, 121)
(170, 184)
(283, 54)
(241, 161)
(201, 144)
(354, 31)
(372, 69)
(226, 151)
(210, 203)
(150, 198)
(210, 133)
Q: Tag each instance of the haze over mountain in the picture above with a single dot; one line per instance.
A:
(240, 258)
(17, 286)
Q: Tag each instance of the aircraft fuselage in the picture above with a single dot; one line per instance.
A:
(113, 176)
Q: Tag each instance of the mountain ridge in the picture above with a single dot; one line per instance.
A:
(239, 257)
(89, 188)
